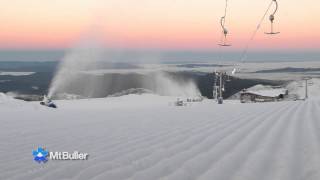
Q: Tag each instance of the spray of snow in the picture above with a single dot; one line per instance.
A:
(81, 58)
(4, 97)
(88, 55)
(166, 85)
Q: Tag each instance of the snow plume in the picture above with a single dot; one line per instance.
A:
(163, 84)
(72, 75)
(81, 58)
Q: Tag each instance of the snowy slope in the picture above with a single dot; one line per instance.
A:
(144, 137)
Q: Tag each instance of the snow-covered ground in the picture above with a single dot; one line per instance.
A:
(4, 73)
(145, 137)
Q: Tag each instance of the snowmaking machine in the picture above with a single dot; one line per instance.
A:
(48, 102)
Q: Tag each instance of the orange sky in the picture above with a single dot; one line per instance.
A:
(169, 24)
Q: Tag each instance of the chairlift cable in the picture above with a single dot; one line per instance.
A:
(225, 14)
(245, 51)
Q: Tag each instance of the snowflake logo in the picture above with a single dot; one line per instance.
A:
(40, 155)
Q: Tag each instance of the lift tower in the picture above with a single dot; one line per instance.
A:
(219, 85)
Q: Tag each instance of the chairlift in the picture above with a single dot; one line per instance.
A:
(224, 29)
(271, 18)
(225, 33)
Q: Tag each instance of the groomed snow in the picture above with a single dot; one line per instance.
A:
(145, 137)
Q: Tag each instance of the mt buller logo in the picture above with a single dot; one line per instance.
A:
(40, 155)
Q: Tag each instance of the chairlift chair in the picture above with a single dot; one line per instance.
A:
(271, 18)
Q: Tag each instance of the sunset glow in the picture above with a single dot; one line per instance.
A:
(179, 24)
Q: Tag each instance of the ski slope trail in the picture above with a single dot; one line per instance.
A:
(144, 137)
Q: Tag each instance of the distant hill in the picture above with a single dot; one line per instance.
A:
(288, 69)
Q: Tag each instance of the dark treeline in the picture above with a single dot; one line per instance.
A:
(38, 83)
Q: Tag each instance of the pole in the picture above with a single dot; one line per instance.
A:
(215, 90)
(306, 96)
(220, 86)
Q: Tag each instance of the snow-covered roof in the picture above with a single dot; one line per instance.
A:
(269, 92)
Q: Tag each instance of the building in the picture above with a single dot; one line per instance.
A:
(268, 95)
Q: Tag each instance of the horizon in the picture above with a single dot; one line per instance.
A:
(163, 56)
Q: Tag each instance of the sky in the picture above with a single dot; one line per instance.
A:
(159, 24)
